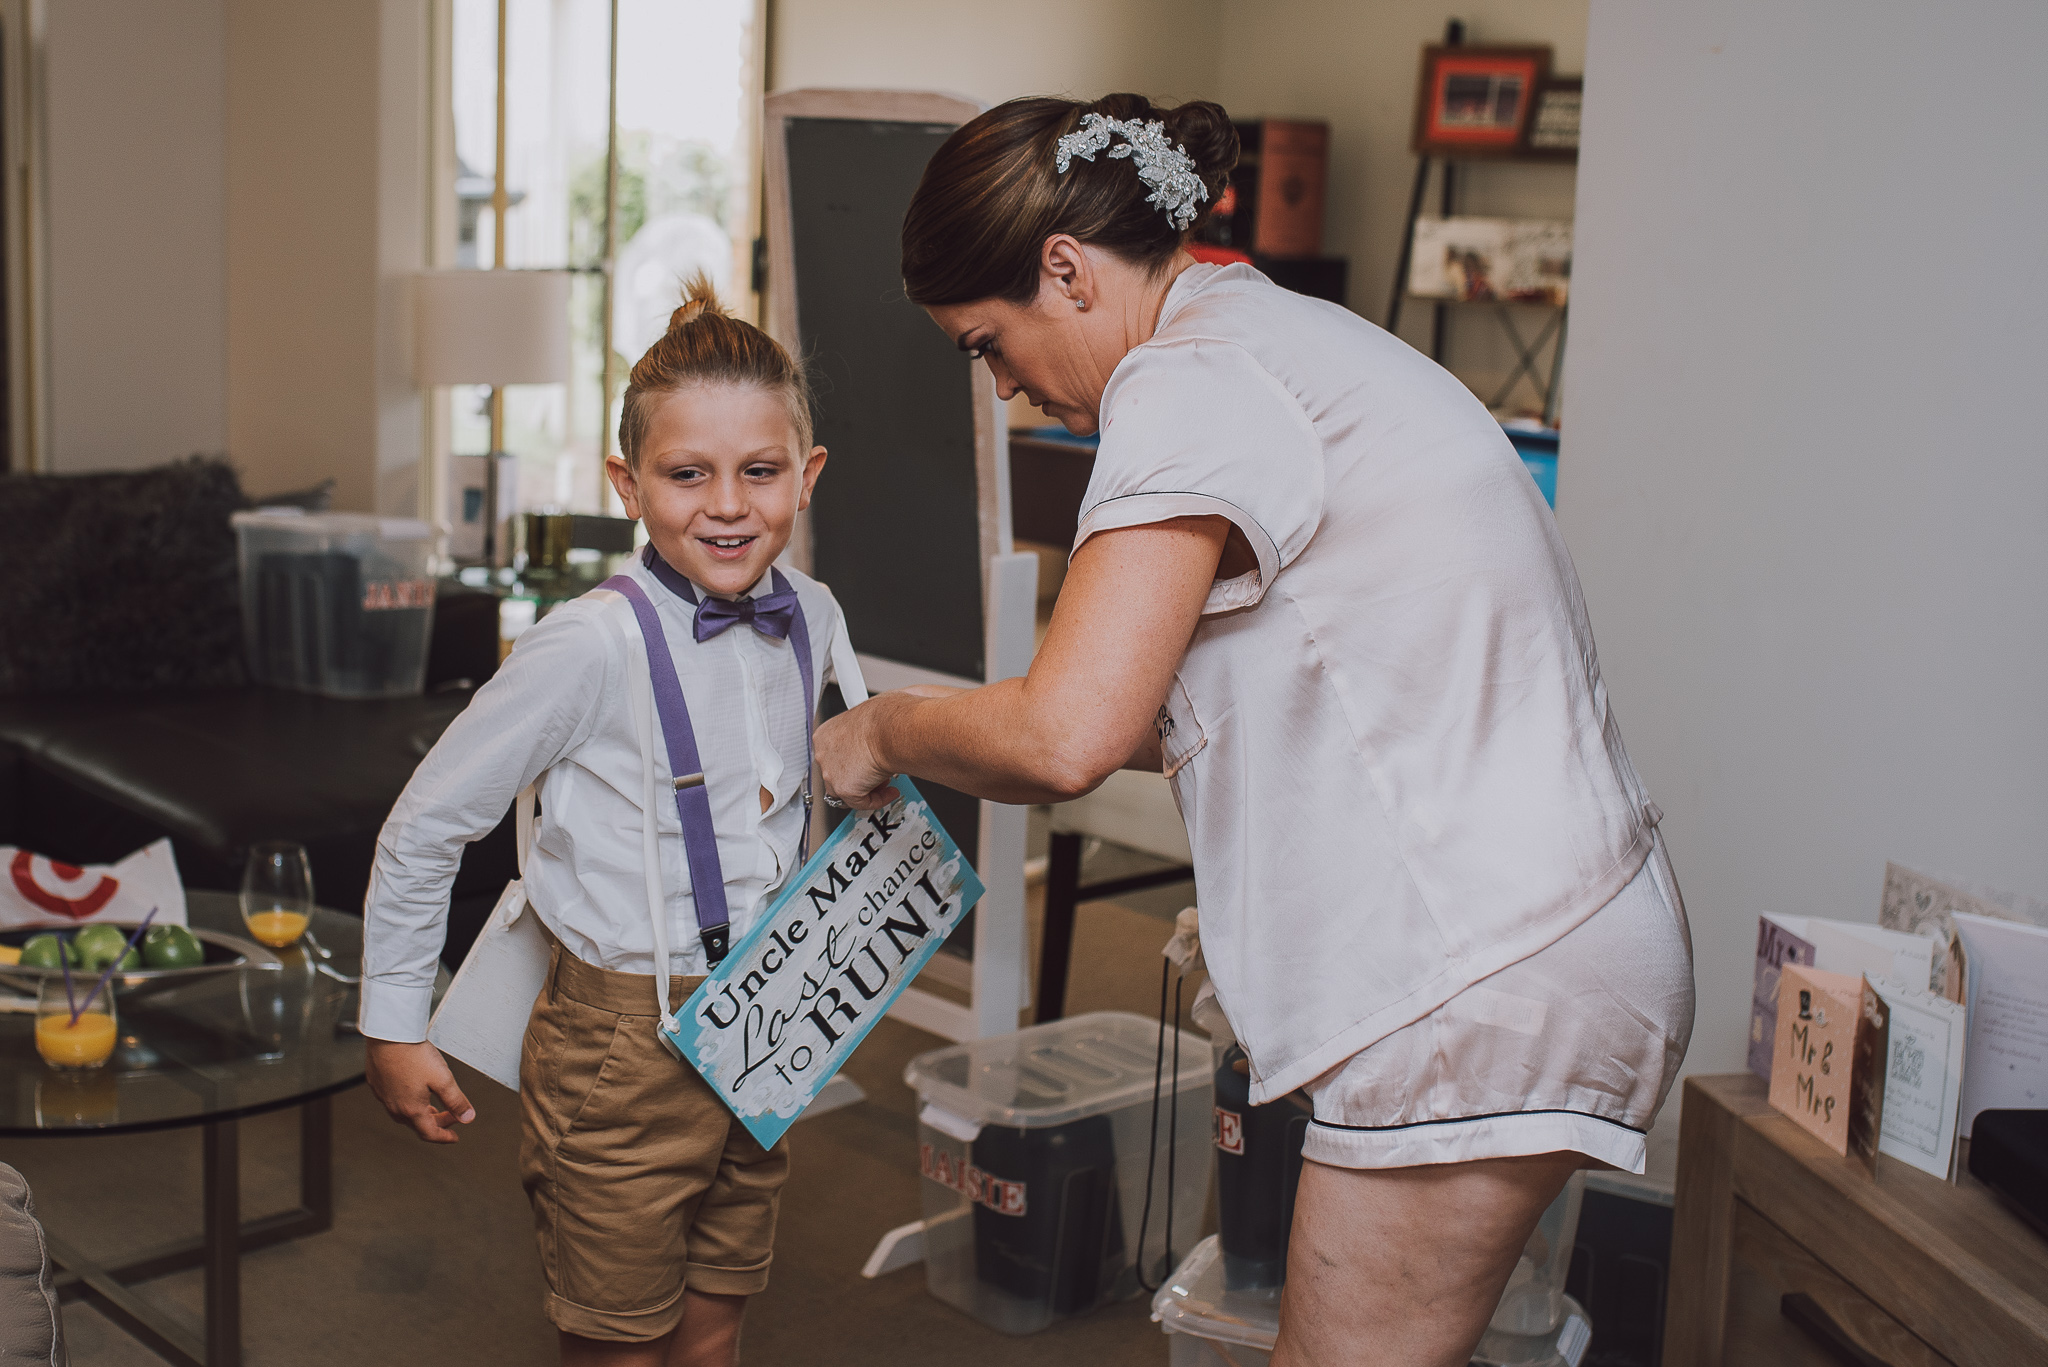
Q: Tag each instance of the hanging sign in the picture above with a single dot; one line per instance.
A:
(778, 1016)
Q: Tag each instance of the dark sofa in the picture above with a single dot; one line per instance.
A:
(125, 715)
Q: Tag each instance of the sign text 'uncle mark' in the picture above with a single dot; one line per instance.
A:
(774, 1021)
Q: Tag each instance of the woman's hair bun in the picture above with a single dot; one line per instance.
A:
(700, 297)
(1211, 141)
(998, 188)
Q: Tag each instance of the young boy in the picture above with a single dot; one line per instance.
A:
(654, 1208)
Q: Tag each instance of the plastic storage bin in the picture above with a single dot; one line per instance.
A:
(1258, 1166)
(1033, 1148)
(336, 603)
(1534, 1307)
(1208, 1325)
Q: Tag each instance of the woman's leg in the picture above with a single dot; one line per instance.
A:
(709, 1336)
(1405, 1265)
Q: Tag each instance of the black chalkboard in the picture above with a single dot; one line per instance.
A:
(895, 526)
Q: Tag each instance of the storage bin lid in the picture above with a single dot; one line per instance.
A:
(1194, 1302)
(1053, 1073)
(294, 520)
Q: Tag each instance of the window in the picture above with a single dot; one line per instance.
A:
(681, 112)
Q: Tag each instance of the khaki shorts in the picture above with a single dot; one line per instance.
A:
(642, 1182)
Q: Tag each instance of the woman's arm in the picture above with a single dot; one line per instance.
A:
(1126, 613)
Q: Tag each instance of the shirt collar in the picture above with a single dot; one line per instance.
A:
(689, 589)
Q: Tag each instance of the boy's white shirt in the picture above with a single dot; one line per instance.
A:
(561, 709)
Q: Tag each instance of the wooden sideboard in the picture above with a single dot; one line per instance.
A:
(1784, 1253)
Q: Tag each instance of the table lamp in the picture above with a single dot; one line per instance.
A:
(493, 327)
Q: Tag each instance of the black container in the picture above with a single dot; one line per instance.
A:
(2009, 1154)
(1067, 1243)
(1258, 1165)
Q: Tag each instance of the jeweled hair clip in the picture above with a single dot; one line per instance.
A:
(1168, 169)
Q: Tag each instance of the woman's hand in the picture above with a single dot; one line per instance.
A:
(852, 767)
(1129, 607)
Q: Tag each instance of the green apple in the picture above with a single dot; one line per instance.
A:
(47, 951)
(98, 946)
(172, 947)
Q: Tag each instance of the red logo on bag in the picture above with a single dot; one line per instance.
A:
(55, 903)
(1004, 1198)
(1229, 1131)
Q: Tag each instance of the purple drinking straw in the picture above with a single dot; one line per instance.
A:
(76, 1010)
(63, 962)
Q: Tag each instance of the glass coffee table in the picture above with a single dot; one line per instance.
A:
(207, 1053)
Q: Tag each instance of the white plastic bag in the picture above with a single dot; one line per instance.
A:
(482, 1017)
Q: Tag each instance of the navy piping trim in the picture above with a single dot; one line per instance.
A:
(1467, 1119)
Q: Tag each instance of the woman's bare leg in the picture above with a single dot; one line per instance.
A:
(1405, 1265)
(708, 1336)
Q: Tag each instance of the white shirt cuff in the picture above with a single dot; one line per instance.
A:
(395, 1011)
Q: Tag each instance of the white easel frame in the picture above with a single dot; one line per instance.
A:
(1000, 988)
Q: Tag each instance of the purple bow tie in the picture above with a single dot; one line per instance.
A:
(769, 614)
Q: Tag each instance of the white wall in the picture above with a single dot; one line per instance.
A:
(1355, 65)
(993, 51)
(138, 319)
(326, 191)
(1805, 475)
(237, 191)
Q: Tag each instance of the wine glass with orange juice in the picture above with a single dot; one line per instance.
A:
(75, 1030)
(277, 892)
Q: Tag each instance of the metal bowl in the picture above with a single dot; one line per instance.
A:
(223, 952)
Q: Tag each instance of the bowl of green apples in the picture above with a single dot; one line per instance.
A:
(166, 955)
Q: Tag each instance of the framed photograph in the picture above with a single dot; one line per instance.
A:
(1554, 131)
(1508, 260)
(1477, 101)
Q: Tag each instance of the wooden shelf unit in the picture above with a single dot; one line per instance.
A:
(1778, 1245)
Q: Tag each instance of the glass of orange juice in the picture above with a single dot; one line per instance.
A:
(277, 892)
(75, 1039)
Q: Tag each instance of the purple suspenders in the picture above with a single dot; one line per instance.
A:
(693, 802)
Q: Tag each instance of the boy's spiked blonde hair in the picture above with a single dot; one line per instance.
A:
(706, 345)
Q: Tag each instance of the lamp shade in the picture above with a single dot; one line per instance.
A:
(491, 327)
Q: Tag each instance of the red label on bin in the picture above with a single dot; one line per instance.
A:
(950, 1170)
(386, 594)
(1229, 1131)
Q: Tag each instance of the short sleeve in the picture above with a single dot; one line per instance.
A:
(1195, 428)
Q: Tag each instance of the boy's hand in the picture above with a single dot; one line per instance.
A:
(409, 1079)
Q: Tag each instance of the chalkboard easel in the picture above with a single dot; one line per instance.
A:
(911, 523)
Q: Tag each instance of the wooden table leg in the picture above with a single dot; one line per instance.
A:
(221, 1164)
(218, 1252)
(316, 1165)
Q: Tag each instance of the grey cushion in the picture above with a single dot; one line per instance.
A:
(31, 1330)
